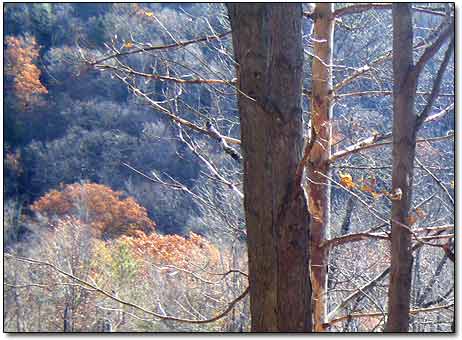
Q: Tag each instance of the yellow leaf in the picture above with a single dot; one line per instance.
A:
(453, 184)
(128, 44)
(149, 14)
(366, 188)
(346, 180)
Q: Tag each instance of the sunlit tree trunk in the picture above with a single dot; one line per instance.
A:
(318, 166)
(267, 41)
(404, 141)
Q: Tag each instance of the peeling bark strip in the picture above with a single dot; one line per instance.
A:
(318, 164)
(404, 141)
(267, 41)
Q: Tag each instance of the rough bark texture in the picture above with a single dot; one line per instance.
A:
(404, 141)
(267, 40)
(318, 165)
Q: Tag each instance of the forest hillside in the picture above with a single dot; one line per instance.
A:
(202, 167)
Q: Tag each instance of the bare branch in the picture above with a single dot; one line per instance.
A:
(172, 116)
(436, 237)
(439, 299)
(162, 47)
(126, 303)
(438, 228)
(357, 292)
(133, 72)
(367, 143)
(361, 71)
(431, 50)
(440, 114)
(370, 284)
(450, 254)
(383, 93)
(353, 238)
(377, 314)
(46, 286)
(436, 86)
(429, 11)
(429, 287)
(175, 185)
(377, 214)
(193, 274)
(210, 165)
(368, 67)
(370, 143)
(437, 180)
(360, 7)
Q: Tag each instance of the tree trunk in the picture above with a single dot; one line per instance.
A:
(404, 141)
(67, 319)
(318, 166)
(267, 41)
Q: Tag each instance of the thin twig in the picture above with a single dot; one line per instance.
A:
(437, 180)
(162, 47)
(436, 86)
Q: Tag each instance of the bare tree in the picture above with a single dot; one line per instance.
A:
(405, 126)
(404, 136)
(318, 163)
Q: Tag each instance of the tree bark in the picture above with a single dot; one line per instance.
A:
(267, 41)
(318, 165)
(67, 319)
(404, 141)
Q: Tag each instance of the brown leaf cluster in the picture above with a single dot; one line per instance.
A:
(20, 55)
(346, 180)
(97, 205)
(191, 252)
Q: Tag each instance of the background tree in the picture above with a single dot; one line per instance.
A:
(405, 126)
(98, 206)
(20, 57)
(317, 167)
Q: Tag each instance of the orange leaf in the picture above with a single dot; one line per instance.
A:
(346, 180)
(376, 195)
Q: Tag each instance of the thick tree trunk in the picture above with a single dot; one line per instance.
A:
(404, 141)
(318, 166)
(267, 40)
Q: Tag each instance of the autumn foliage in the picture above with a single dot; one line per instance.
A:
(111, 216)
(21, 54)
(97, 205)
(191, 252)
